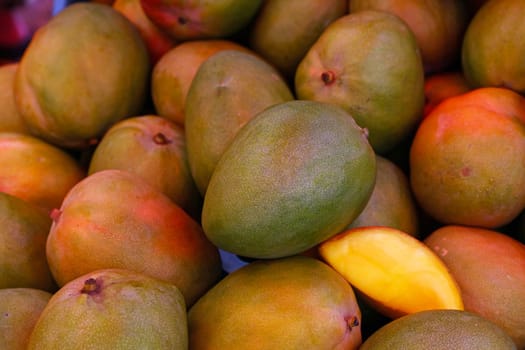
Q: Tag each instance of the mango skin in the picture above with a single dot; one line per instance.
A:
(369, 63)
(228, 90)
(439, 329)
(200, 19)
(296, 174)
(155, 149)
(85, 69)
(290, 303)
(486, 59)
(489, 268)
(36, 171)
(113, 309)
(115, 219)
(20, 309)
(23, 235)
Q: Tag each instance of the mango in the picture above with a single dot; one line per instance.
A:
(155, 149)
(296, 174)
(439, 329)
(487, 59)
(113, 309)
(368, 63)
(200, 19)
(228, 90)
(10, 118)
(20, 309)
(36, 171)
(284, 42)
(23, 236)
(391, 203)
(115, 219)
(173, 74)
(489, 267)
(289, 303)
(85, 69)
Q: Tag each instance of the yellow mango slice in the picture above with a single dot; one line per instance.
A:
(396, 272)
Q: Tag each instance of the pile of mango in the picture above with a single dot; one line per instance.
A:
(278, 174)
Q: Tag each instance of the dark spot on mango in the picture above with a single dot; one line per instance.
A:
(91, 286)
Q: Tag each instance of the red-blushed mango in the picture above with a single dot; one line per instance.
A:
(368, 63)
(20, 309)
(155, 149)
(174, 72)
(229, 89)
(283, 31)
(82, 71)
(200, 19)
(290, 303)
(493, 47)
(115, 219)
(23, 235)
(467, 163)
(294, 175)
(36, 171)
(438, 26)
(439, 329)
(157, 42)
(113, 309)
(496, 99)
(489, 267)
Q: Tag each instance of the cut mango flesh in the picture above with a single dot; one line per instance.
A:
(395, 271)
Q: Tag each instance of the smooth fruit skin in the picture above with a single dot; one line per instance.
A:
(438, 26)
(296, 174)
(83, 70)
(467, 166)
(391, 203)
(20, 309)
(493, 48)
(115, 219)
(368, 63)
(229, 89)
(489, 267)
(441, 86)
(283, 31)
(439, 329)
(157, 42)
(155, 149)
(36, 171)
(200, 19)
(289, 303)
(23, 235)
(173, 74)
(113, 309)
(10, 118)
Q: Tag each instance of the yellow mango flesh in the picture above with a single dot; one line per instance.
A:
(394, 270)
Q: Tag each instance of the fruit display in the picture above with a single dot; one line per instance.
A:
(277, 174)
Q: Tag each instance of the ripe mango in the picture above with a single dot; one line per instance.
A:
(228, 90)
(439, 329)
(115, 219)
(20, 309)
(489, 268)
(296, 174)
(289, 303)
(23, 234)
(113, 309)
